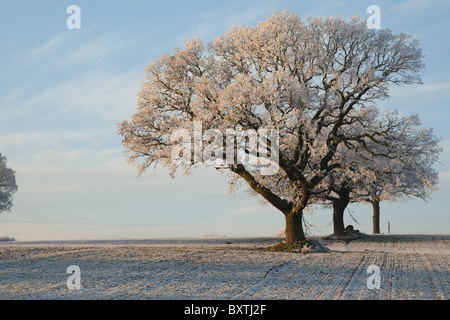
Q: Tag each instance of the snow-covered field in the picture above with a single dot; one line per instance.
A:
(412, 267)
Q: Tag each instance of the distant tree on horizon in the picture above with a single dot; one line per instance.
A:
(8, 185)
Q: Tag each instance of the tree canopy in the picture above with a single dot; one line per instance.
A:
(8, 185)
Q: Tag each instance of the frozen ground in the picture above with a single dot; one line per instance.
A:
(412, 267)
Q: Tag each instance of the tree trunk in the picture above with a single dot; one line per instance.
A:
(294, 227)
(338, 218)
(339, 206)
(376, 217)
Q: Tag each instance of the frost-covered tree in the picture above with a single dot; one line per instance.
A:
(409, 173)
(311, 80)
(394, 162)
(337, 190)
(8, 185)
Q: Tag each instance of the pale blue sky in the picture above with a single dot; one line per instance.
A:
(63, 92)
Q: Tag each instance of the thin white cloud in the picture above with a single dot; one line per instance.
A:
(45, 49)
(96, 95)
(251, 210)
(56, 151)
(99, 48)
(445, 176)
(431, 89)
(70, 49)
(48, 138)
(436, 87)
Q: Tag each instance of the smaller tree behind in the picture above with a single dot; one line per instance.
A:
(393, 161)
(407, 169)
(8, 185)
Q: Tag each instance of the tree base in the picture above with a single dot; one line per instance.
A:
(310, 245)
(349, 234)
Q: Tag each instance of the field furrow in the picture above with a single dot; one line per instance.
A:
(411, 267)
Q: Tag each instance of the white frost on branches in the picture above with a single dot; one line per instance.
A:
(316, 81)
